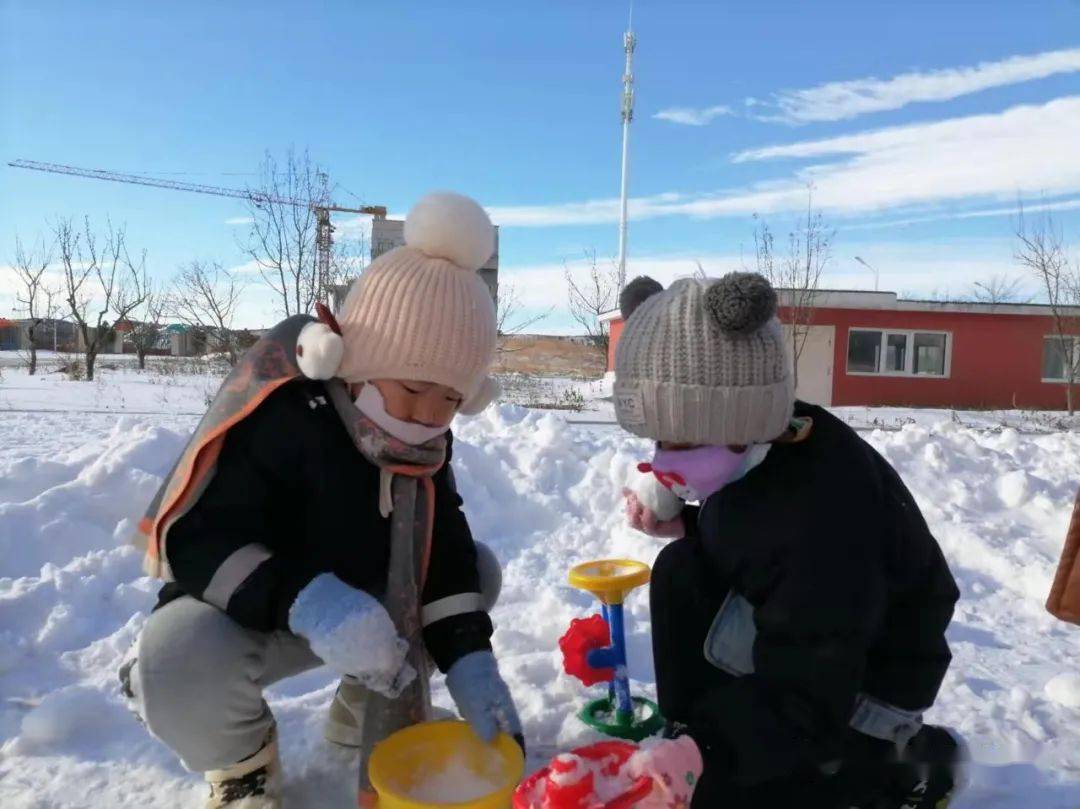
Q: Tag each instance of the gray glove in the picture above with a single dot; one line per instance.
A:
(482, 696)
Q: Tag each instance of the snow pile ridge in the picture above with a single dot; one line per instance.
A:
(544, 494)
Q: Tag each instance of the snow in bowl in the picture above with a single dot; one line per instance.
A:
(438, 764)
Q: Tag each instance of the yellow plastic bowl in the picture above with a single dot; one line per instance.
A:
(400, 763)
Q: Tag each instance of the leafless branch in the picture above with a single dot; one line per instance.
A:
(591, 297)
(1041, 250)
(797, 272)
(1000, 288)
(35, 297)
(103, 284)
(204, 297)
(282, 237)
(148, 331)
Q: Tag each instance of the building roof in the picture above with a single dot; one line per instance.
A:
(864, 299)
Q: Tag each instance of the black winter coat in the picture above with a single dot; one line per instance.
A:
(849, 592)
(291, 483)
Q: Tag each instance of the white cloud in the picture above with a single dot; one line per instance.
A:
(239, 220)
(691, 116)
(1029, 149)
(985, 213)
(841, 100)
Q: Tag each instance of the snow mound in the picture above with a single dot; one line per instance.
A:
(544, 494)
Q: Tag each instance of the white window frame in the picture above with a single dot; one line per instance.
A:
(1075, 358)
(909, 353)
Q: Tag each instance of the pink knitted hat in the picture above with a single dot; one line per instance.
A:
(421, 311)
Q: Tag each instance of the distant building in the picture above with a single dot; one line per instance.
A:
(51, 334)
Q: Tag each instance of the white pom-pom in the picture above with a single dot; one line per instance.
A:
(451, 226)
(318, 351)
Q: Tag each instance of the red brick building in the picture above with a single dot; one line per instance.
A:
(872, 348)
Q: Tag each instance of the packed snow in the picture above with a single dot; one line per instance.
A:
(545, 494)
(456, 781)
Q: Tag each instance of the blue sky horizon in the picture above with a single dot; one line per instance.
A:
(918, 124)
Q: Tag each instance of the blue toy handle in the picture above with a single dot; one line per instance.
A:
(614, 657)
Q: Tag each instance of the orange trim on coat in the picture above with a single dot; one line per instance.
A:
(429, 488)
(198, 465)
(1064, 599)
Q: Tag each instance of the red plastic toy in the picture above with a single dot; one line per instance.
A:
(584, 635)
(571, 781)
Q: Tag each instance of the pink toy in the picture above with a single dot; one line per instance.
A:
(616, 775)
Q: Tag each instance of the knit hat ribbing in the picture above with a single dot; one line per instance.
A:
(421, 311)
(704, 362)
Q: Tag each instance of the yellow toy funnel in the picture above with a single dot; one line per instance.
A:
(610, 580)
(444, 764)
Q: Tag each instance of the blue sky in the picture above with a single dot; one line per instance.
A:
(919, 123)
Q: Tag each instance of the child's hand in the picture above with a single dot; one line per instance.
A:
(644, 519)
(482, 696)
(352, 633)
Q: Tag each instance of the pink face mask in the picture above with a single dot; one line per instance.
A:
(694, 474)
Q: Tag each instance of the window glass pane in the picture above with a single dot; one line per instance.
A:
(930, 354)
(896, 352)
(1055, 351)
(864, 351)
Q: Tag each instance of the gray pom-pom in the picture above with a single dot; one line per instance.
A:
(741, 302)
(635, 293)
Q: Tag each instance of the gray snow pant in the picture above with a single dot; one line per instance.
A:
(199, 676)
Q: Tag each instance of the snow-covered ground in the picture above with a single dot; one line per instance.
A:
(544, 493)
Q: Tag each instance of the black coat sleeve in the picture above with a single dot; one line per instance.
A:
(222, 550)
(454, 621)
(813, 630)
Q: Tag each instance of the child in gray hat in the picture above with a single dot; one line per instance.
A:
(799, 614)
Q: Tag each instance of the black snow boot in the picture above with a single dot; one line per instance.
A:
(931, 770)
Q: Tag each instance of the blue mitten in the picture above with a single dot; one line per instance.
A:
(352, 633)
(482, 697)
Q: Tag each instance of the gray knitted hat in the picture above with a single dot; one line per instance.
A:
(703, 362)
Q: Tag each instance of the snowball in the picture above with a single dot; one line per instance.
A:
(453, 227)
(1013, 488)
(657, 497)
(1064, 690)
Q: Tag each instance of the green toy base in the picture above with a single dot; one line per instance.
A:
(600, 715)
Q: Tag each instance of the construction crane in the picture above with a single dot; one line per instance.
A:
(324, 238)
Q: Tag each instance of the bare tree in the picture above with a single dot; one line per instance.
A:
(510, 319)
(347, 260)
(797, 273)
(146, 334)
(999, 288)
(281, 240)
(35, 296)
(103, 285)
(205, 296)
(592, 297)
(1042, 251)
